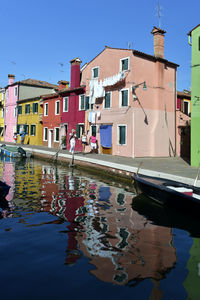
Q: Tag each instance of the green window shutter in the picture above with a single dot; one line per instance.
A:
(122, 135)
(107, 100)
(87, 102)
(125, 98)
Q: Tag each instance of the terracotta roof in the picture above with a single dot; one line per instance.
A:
(141, 54)
(49, 96)
(34, 82)
(186, 94)
(71, 90)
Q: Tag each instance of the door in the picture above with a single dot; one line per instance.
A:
(50, 140)
(106, 139)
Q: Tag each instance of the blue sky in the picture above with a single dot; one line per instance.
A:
(40, 37)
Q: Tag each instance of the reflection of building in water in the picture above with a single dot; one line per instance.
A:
(193, 277)
(66, 201)
(123, 245)
(27, 185)
(8, 176)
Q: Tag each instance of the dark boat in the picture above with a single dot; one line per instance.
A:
(168, 192)
(4, 189)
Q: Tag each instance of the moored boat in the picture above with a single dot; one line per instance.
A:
(14, 151)
(4, 189)
(169, 192)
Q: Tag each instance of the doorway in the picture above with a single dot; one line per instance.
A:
(50, 140)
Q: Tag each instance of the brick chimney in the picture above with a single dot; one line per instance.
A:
(158, 37)
(63, 84)
(75, 72)
(11, 79)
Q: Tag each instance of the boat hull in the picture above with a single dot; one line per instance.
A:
(157, 189)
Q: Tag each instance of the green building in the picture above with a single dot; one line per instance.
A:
(194, 41)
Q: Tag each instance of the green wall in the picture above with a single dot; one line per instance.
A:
(195, 97)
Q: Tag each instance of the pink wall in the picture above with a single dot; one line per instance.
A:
(10, 120)
(151, 119)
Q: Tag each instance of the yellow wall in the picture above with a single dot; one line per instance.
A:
(31, 119)
(2, 97)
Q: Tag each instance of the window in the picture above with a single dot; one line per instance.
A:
(122, 134)
(95, 72)
(124, 64)
(124, 98)
(107, 102)
(57, 134)
(57, 107)
(87, 105)
(186, 107)
(45, 132)
(2, 113)
(26, 129)
(15, 111)
(65, 104)
(19, 108)
(35, 108)
(79, 130)
(33, 129)
(27, 109)
(82, 102)
(46, 109)
(93, 130)
(15, 91)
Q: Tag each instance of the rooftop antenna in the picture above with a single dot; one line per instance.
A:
(129, 45)
(158, 13)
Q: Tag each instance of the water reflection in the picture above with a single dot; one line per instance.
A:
(123, 245)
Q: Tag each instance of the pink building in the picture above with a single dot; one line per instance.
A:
(20, 90)
(132, 98)
(73, 106)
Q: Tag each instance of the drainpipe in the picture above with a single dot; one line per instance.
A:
(189, 40)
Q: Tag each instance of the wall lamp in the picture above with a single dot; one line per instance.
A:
(137, 85)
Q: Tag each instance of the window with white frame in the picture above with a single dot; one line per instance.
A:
(107, 102)
(122, 134)
(124, 97)
(19, 109)
(45, 134)
(15, 91)
(15, 111)
(27, 108)
(95, 72)
(124, 64)
(56, 134)
(79, 130)
(186, 107)
(35, 108)
(57, 107)
(2, 113)
(65, 104)
(33, 130)
(46, 109)
(81, 102)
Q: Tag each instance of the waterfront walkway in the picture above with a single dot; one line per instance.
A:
(174, 168)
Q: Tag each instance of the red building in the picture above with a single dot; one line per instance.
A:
(73, 106)
(52, 107)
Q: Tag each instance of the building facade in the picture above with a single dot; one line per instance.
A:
(194, 41)
(132, 98)
(30, 112)
(2, 104)
(18, 91)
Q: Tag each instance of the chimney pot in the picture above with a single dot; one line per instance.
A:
(158, 35)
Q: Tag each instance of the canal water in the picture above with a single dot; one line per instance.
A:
(69, 235)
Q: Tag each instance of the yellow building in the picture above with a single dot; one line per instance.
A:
(2, 102)
(30, 116)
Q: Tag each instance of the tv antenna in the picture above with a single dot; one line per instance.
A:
(129, 45)
(159, 14)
